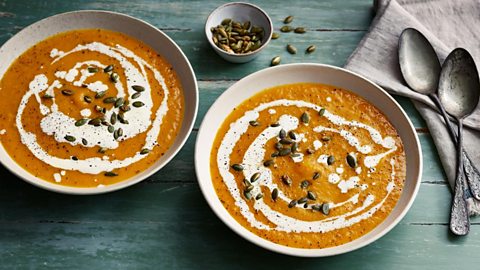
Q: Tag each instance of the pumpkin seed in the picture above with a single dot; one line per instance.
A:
(255, 177)
(125, 108)
(276, 124)
(294, 147)
(304, 184)
(100, 94)
(74, 158)
(118, 133)
(102, 150)
(326, 138)
(299, 30)
(47, 96)
(302, 200)
(237, 167)
(326, 208)
(310, 151)
(305, 118)
(288, 19)
(92, 69)
(144, 151)
(95, 122)
(305, 205)
(119, 102)
(286, 141)
(286, 29)
(286, 180)
(321, 112)
(81, 122)
(294, 155)
(351, 161)
(110, 174)
(254, 123)
(292, 203)
(247, 195)
(70, 138)
(316, 175)
(136, 95)
(109, 100)
(137, 104)
(111, 129)
(310, 49)
(249, 188)
(84, 141)
(291, 49)
(330, 160)
(113, 118)
(259, 196)
(120, 117)
(268, 162)
(274, 154)
(256, 29)
(246, 183)
(284, 152)
(317, 207)
(114, 77)
(311, 195)
(108, 68)
(87, 99)
(275, 194)
(138, 88)
(275, 35)
(67, 92)
(282, 134)
(226, 21)
(278, 146)
(275, 61)
(292, 135)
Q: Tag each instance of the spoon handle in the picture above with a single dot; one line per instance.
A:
(472, 173)
(459, 218)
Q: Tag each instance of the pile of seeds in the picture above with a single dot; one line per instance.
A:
(290, 48)
(236, 37)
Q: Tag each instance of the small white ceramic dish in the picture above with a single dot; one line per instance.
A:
(240, 12)
(317, 73)
(133, 27)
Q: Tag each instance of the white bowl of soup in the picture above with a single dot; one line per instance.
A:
(308, 160)
(93, 101)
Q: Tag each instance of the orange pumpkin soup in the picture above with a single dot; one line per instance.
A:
(89, 107)
(308, 165)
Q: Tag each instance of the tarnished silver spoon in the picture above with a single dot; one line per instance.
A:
(421, 70)
(459, 92)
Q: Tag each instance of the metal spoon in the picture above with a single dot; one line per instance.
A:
(421, 70)
(459, 92)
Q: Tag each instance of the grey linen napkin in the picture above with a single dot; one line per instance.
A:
(447, 24)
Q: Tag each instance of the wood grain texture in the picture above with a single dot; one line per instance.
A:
(164, 222)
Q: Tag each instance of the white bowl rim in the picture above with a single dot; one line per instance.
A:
(41, 183)
(301, 252)
(236, 55)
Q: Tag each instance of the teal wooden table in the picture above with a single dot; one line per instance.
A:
(164, 222)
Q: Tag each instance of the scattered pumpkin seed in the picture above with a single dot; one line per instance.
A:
(113, 118)
(119, 102)
(276, 124)
(81, 122)
(278, 146)
(109, 100)
(275, 61)
(87, 99)
(284, 152)
(237, 167)
(286, 180)
(317, 207)
(138, 88)
(125, 108)
(291, 49)
(299, 30)
(275, 35)
(282, 134)
(286, 29)
(255, 177)
(47, 96)
(254, 123)
(321, 112)
(351, 161)
(316, 175)
(326, 208)
(74, 158)
(304, 184)
(259, 196)
(102, 150)
(294, 155)
(326, 138)
(311, 195)
(137, 104)
(84, 141)
(111, 129)
(294, 147)
(292, 203)
(247, 195)
(310, 151)
(108, 68)
(286, 141)
(95, 122)
(274, 154)
(268, 162)
(249, 188)
(144, 151)
(292, 135)
(302, 200)
(92, 69)
(70, 138)
(136, 95)
(275, 194)
(100, 94)
(310, 49)
(288, 19)
(330, 160)
(305, 205)
(114, 77)
(305, 118)
(110, 174)
(118, 133)
(67, 92)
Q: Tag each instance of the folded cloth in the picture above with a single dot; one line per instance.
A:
(446, 24)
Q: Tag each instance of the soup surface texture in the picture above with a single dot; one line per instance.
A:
(89, 107)
(308, 165)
